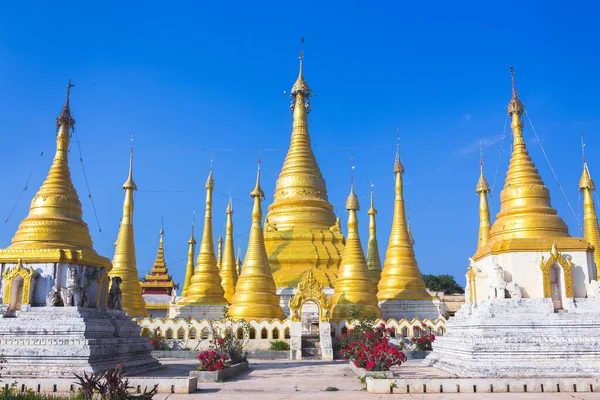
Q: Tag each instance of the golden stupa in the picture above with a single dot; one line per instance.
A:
(124, 262)
(401, 278)
(54, 231)
(590, 219)
(526, 221)
(189, 267)
(205, 286)
(354, 288)
(300, 229)
(255, 293)
(373, 260)
(483, 190)
(228, 271)
(220, 252)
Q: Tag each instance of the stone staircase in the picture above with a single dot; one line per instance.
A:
(310, 347)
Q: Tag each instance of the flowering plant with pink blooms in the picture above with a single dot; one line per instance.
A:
(369, 347)
(212, 360)
(424, 341)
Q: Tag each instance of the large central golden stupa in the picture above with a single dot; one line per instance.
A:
(301, 230)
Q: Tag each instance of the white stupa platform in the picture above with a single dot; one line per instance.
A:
(521, 338)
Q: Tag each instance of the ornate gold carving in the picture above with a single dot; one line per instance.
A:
(9, 276)
(310, 289)
(471, 273)
(567, 267)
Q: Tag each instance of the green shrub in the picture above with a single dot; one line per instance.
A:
(279, 345)
(332, 389)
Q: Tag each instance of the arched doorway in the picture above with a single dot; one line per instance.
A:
(555, 286)
(18, 287)
(309, 316)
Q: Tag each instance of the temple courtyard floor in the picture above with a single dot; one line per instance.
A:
(282, 379)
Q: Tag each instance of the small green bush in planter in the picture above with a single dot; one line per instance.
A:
(279, 345)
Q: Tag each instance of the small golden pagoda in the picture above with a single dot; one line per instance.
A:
(189, 268)
(373, 260)
(228, 271)
(590, 218)
(354, 287)
(401, 278)
(526, 221)
(255, 293)
(483, 190)
(238, 261)
(54, 230)
(157, 287)
(205, 285)
(124, 261)
(300, 229)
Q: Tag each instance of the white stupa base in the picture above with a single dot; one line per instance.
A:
(521, 338)
(410, 309)
(204, 311)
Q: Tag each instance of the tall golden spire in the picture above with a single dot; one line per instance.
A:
(238, 261)
(401, 278)
(124, 262)
(373, 260)
(300, 225)
(590, 219)
(189, 268)
(219, 252)
(255, 293)
(482, 189)
(228, 271)
(205, 287)
(55, 224)
(526, 214)
(354, 287)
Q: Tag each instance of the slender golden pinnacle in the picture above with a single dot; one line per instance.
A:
(205, 287)
(189, 268)
(238, 261)
(124, 260)
(228, 271)
(400, 278)
(373, 260)
(354, 287)
(590, 218)
(482, 189)
(220, 252)
(255, 293)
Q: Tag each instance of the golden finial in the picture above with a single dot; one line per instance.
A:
(352, 200)
(161, 233)
(372, 210)
(586, 181)
(129, 183)
(398, 167)
(257, 191)
(229, 206)
(300, 86)
(591, 232)
(482, 184)
(515, 105)
(373, 259)
(65, 118)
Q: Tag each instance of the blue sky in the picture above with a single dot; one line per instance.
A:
(191, 78)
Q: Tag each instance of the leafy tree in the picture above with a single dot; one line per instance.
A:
(442, 283)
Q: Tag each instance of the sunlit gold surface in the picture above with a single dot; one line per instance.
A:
(238, 261)
(373, 260)
(300, 232)
(124, 262)
(189, 267)
(220, 252)
(526, 221)
(354, 287)
(400, 278)
(483, 188)
(228, 271)
(205, 287)
(54, 230)
(590, 218)
(159, 276)
(255, 294)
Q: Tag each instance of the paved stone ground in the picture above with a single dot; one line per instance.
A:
(277, 379)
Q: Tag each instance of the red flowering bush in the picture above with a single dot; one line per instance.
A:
(424, 341)
(158, 341)
(212, 360)
(368, 347)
